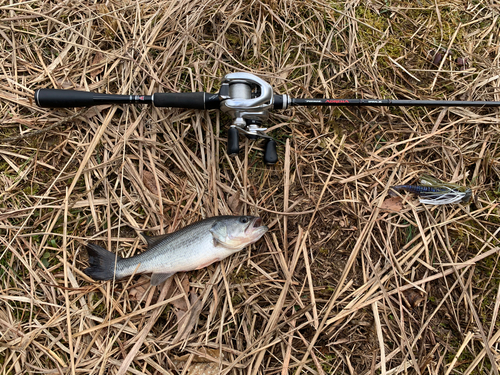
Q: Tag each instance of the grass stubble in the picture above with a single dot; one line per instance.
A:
(340, 284)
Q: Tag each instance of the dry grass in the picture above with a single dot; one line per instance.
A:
(338, 285)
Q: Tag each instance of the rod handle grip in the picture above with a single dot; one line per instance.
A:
(189, 100)
(56, 98)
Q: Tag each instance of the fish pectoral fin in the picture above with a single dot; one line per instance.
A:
(219, 233)
(158, 278)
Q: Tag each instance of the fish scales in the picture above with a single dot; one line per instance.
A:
(177, 252)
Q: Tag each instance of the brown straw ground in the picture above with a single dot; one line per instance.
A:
(344, 282)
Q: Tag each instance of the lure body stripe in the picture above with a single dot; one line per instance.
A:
(420, 190)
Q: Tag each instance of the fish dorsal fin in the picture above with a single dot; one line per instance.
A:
(154, 240)
(158, 278)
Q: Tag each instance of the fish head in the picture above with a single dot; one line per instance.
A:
(236, 232)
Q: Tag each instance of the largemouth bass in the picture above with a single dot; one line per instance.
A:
(190, 248)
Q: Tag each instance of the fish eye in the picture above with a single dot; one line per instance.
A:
(243, 219)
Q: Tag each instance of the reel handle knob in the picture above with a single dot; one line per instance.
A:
(233, 146)
(270, 153)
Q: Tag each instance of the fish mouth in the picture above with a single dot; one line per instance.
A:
(256, 226)
(257, 222)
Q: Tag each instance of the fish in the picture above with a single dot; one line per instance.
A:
(436, 192)
(191, 248)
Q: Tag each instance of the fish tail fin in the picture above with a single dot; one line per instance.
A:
(102, 263)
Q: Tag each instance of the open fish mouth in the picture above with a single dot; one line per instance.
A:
(257, 222)
(256, 227)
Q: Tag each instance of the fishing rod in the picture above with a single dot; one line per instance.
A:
(244, 96)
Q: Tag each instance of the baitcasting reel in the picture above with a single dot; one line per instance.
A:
(248, 99)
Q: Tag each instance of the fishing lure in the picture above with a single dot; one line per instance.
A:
(436, 192)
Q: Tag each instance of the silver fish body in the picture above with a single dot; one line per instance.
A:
(192, 247)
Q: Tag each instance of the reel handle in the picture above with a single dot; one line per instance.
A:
(233, 146)
(270, 153)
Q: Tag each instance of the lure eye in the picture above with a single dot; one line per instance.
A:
(243, 219)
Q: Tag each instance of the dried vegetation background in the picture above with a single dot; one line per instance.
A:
(343, 283)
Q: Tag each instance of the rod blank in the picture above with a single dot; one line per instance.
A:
(393, 103)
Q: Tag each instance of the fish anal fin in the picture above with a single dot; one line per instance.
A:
(158, 278)
(154, 240)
